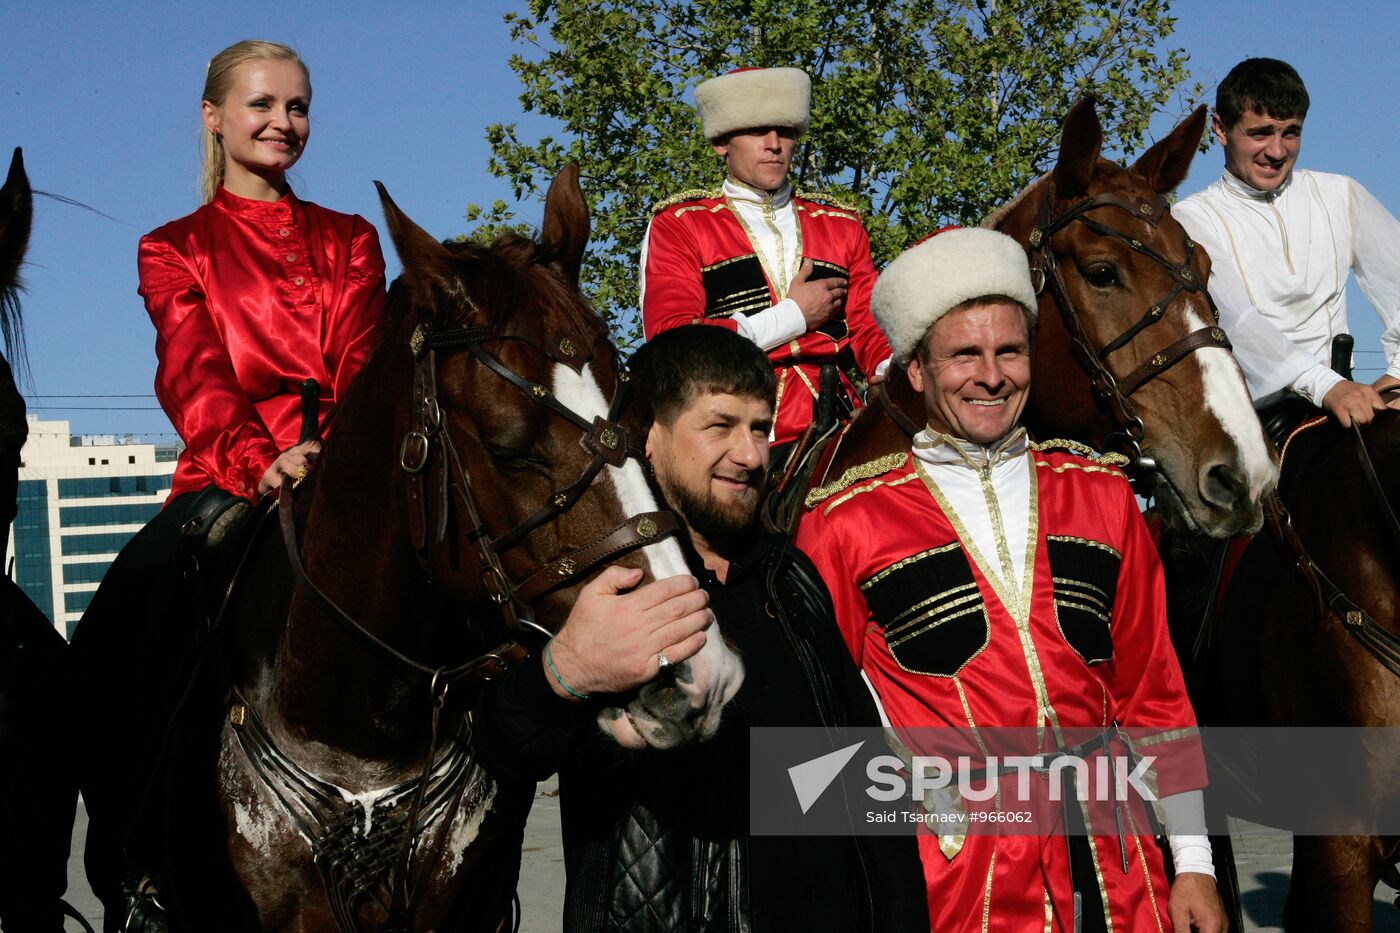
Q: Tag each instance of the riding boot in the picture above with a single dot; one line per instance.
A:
(142, 911)
(126, 653)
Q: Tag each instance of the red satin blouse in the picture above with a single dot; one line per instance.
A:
(248, 299)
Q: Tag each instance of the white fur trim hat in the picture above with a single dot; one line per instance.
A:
(932, 277)
(753, 97)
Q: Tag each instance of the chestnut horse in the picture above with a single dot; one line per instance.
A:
(1310, 636)
(1122, 295)
(483, 464)
(38, 790)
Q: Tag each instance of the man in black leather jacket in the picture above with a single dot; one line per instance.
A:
(657, 840)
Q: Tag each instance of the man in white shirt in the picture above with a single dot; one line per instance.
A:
(1282, 242)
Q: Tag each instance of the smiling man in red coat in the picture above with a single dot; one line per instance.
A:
(791, 273)
(981, 580)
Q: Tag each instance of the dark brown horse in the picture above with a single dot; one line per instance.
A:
(37, 784)
(478, 465)
(1292, 653)
(1127, 354)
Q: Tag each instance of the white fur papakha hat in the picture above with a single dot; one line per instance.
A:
(937, 274)
(753, 97)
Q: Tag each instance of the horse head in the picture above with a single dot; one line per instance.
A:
(523, 459)
(1122, 293)
(16, 215)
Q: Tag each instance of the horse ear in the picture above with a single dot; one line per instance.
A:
(565, 230)
(16, 214)
(1080, 142)
(1165, 165)
(424, 259)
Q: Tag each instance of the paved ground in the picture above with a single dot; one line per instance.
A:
(1265, 859)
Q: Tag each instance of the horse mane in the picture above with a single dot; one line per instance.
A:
(12, 324)
(512, 270)
(1001, 213)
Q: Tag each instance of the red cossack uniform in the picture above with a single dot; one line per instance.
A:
(249, 298)
(700, 265)
(943, 645)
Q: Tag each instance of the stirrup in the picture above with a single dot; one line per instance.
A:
(141, 907)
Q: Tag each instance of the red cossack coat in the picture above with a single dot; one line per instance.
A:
(701, 267)
(248, 299)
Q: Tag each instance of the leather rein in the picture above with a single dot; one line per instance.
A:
(1381, 642)
(1115, 393)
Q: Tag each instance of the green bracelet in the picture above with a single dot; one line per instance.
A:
(549, 659)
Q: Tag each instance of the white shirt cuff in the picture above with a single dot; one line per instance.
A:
(775, 326)
(1315, 382)
(1185, 816)
(1191, 854)
(884, 366)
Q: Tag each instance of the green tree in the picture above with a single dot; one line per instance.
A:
(925, 112)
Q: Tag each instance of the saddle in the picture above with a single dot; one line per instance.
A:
(212, 541)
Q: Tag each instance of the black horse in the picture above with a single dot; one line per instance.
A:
(38, 787)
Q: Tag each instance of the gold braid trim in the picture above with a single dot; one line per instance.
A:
(692, 194)
(830, 199)
(857, 473)
(1083, 450)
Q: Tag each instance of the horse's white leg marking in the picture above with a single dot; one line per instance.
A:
(1228, 399)
(715, 672)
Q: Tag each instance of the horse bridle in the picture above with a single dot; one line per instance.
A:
(604, 438)
(1113, 393)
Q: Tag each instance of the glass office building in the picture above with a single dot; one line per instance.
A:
(80, 499)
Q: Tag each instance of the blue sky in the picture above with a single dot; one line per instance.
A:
(104, 99)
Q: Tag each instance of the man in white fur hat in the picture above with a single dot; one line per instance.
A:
(981, 580)
(791, 273)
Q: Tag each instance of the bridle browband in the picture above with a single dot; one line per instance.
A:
(1114, 393)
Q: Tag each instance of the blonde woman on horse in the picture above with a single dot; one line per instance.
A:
(251, 294)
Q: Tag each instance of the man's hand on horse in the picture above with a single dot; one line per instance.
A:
(818, 300)
(615, 635)
(1195, 905)
(1353, 403)
(291, 463)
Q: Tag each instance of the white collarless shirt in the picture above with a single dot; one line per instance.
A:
(989, 489)
(1279, 266)
(770, 220)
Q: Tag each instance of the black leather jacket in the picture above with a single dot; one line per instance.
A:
(658, 840)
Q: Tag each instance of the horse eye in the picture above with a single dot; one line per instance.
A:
(1102, 275)
(512, 458)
